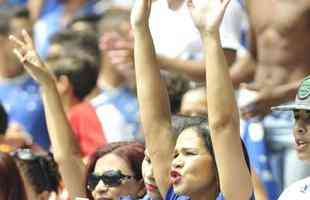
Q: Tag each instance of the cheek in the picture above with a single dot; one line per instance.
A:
(127, 189)
(202, 171)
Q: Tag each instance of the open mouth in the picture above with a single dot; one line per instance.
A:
(150, 187)
(175, 177)
(301, 145)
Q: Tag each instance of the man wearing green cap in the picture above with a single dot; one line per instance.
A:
(301, 108)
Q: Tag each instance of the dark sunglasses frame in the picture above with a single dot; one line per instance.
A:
(111, 178)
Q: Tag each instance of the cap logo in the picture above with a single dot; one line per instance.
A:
(304, 89)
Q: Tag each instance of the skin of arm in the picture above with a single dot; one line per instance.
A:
(65, 149)
(242, 70)
(222, 107)
(193, 69)
(259, 190)
(152, 96)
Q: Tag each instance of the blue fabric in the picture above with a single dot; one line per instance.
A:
(125, 104)
(23, 103)
(254, 139)
(171, 195)
(16, 2)
(50, 23)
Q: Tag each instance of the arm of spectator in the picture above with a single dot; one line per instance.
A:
(191, 68)
(152, 97)
(259, 190)
(35, 7)
(222, 108)
(267, 98)
(65, 148)
(243, 70)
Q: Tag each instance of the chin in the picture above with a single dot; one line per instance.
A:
(180, 189)
(304, 156)
(154, 195)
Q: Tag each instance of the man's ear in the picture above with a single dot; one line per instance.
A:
(63, 84)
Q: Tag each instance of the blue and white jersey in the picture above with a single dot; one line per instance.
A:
(118, 113)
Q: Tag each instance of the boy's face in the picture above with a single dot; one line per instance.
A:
(302, 133)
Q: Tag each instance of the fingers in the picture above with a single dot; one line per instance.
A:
(224, 5)
(27, 38)
(16, 41)
(19, 55)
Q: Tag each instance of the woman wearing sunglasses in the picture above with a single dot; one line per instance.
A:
(185, 165)
(113, 171)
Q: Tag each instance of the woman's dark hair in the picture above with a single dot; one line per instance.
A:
(200, 125)
(3, 120)
(11, 182)
(131, 152)
(41, 171)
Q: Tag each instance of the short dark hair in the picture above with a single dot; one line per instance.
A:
(131, 152)
(6, 15)
(90, 19)
(81, 72)
(77, 42)
(41, 171)
(3, 120)
(176, 85)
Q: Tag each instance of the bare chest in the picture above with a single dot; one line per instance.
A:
(282, 16)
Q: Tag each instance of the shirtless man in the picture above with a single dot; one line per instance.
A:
(280, 45)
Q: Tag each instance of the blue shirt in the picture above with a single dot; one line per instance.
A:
(21, 99)
(171, 195)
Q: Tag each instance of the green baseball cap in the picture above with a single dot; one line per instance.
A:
(302, 100)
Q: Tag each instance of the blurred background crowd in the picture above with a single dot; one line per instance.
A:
(88, 47)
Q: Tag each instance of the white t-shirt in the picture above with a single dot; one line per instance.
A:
(174, 32)
(297, 191)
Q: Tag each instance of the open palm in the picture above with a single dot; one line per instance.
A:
(207, 14)
(27, 55)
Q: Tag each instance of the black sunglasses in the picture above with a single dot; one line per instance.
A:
(111, 178)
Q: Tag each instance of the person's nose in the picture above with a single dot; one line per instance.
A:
(177, 162)
(101, 188)
(300, 127)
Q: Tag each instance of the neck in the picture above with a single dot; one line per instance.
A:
(69, 101)
(109, 78)
(209, 194)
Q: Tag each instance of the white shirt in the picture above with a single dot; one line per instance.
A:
(174, 32)
(299, 190)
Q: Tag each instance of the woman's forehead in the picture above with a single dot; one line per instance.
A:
(111, 162)
(189, 138)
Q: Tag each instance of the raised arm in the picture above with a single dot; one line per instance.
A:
(152, 96)
(222, 108)
(65, 148)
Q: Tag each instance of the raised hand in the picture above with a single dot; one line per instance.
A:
(207, 14)
(27, 55)
(140, 13)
